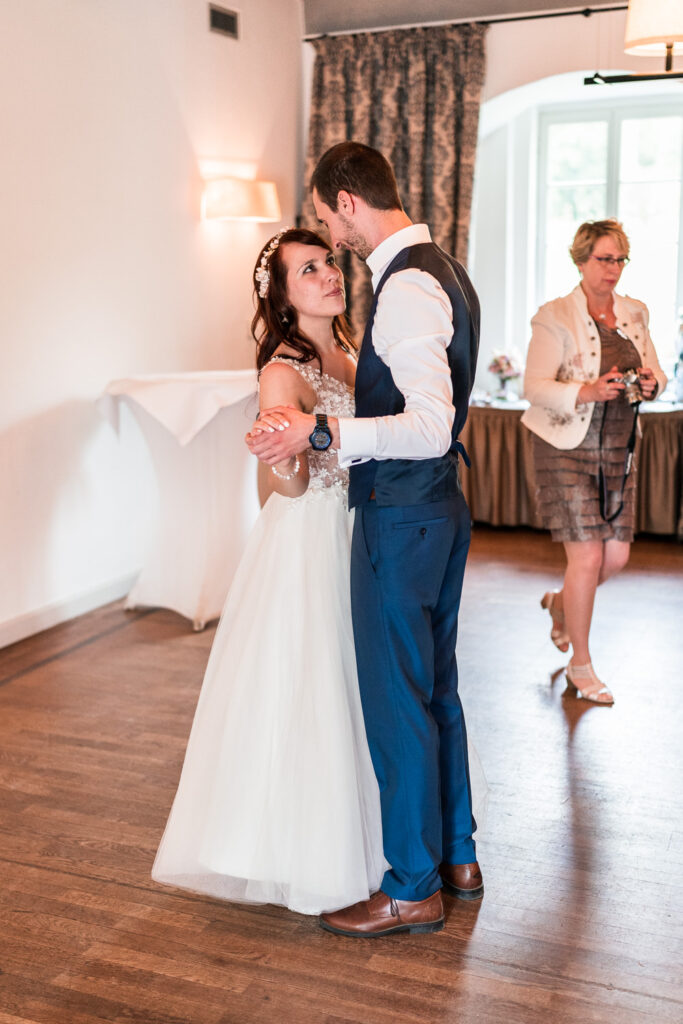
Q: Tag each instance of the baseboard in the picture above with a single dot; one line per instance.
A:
(55, 612)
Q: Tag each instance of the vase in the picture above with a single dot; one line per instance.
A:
(506, 391)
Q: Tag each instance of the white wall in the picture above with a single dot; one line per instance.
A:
(529, 64)
(524, 51)
(105, 268)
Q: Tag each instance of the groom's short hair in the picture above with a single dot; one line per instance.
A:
(357, 169)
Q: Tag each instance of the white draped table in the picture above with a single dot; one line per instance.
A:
(194, 425)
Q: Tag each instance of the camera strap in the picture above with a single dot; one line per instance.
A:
(628, 462)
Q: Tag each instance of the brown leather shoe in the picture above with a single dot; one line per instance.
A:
(383, 915)
(462, 880)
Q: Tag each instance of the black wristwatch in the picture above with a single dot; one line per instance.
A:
(321, 437)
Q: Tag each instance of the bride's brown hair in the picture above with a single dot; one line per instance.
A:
(275, 321)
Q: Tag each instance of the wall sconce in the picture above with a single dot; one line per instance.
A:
(653, 28)
(239, 199)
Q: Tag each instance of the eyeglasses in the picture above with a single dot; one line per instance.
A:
(610, 261)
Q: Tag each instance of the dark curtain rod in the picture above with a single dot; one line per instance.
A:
(585, 13)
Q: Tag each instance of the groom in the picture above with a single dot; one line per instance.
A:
(411, 536)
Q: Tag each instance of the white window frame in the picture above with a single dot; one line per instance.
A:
(614, 113)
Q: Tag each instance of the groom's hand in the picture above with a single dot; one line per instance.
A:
(279, 433)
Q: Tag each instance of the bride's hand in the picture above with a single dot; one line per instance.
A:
(278, 441)
(268, 421)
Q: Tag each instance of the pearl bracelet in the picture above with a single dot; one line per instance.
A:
(287, 476)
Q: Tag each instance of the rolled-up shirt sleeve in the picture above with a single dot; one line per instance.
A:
(412, 330)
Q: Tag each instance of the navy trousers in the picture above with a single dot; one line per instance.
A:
(407, 568)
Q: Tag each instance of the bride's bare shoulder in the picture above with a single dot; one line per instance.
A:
(281, 381)
(282, 363)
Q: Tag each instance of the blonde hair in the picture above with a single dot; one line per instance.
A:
(589, 233)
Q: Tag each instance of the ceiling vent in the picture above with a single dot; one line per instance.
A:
(224, 21)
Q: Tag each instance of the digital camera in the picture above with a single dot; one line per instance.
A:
(632, 392)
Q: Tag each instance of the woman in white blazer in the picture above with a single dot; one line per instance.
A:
(583, 424)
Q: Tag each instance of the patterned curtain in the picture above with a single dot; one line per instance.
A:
(413, 94)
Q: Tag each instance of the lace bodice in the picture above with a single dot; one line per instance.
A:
(336, 399)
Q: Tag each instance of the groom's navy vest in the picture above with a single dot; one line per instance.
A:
(416, 481)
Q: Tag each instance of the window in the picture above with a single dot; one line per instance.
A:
(625, 161)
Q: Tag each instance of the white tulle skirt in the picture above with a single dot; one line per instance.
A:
(278, 801)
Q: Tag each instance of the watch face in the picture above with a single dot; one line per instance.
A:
(320, 439)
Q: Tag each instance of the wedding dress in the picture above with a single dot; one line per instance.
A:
(278, 801)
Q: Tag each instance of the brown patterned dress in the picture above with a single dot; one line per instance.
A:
(567, 481)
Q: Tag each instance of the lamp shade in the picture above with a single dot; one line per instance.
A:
(651, 25)
(237, 199)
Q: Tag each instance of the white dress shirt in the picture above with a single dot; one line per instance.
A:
(412, 329)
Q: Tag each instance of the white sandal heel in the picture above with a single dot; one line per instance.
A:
(558, 632)
(579, 675)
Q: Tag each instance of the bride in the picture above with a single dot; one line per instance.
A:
(278, 801)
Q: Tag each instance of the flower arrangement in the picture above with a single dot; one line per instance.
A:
(506, 367)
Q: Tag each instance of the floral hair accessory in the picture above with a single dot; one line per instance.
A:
(262, 273)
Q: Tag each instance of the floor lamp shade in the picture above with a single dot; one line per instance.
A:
(238, 199)
(652, 26)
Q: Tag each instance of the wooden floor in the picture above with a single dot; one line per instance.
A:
(582, 850)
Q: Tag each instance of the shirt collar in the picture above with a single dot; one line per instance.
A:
(380, 258)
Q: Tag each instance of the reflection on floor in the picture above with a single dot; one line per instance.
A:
(582, 848)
